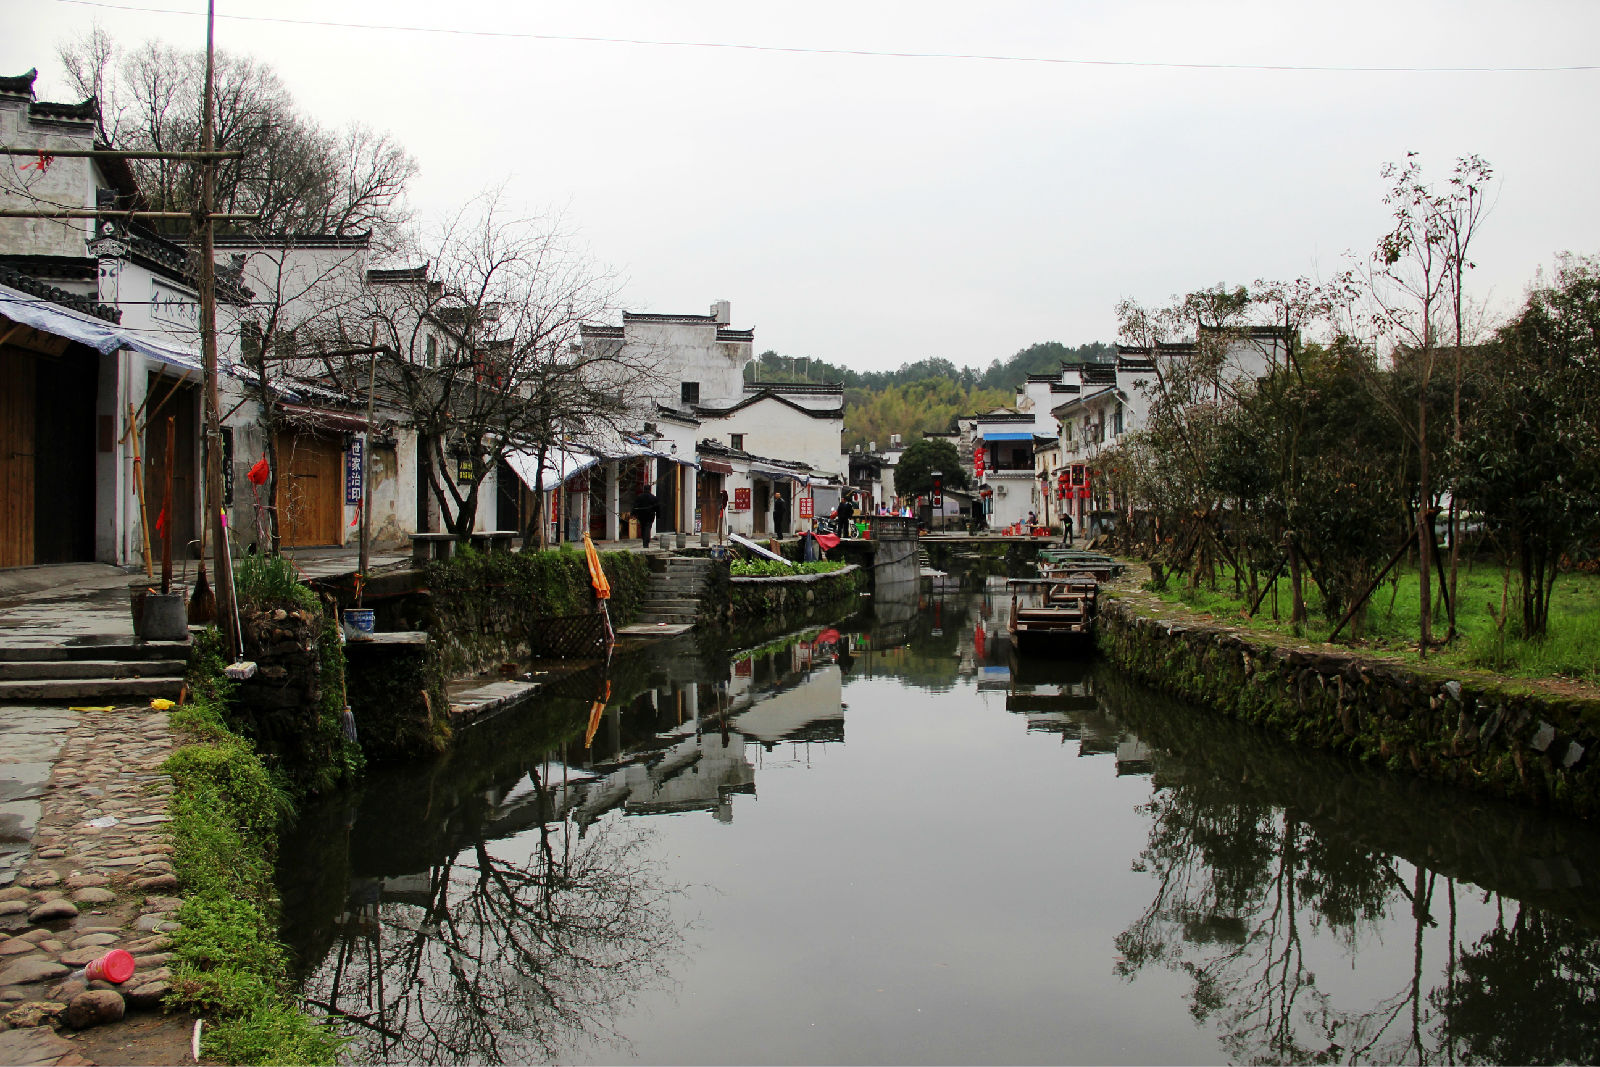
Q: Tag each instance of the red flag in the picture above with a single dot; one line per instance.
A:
(259, 473)
(161, 523)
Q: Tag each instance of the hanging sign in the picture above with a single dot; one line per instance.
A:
(465, 470)
(808, 507)
(977, 460)
(355, 469)
(741, 499)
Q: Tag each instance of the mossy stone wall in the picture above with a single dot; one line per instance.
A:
(1482, 733)
(762, 597)
(483, 607)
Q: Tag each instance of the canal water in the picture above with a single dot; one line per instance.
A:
(887, 840)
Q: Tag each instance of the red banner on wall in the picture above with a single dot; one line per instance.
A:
(978, 460)
(807, 507)
(741, 499)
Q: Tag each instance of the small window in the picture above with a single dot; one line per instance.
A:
(690, 392)
(1116, 421)
(433, 349)
(738, 441)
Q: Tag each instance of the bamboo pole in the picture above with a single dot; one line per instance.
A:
(138, 490)
(91, 213)
(118, 153)
(222, 563)
(166, 506)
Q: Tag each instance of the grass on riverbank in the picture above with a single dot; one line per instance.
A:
(1570, 650)
(228, 964)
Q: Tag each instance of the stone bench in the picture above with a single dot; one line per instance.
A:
(494, 540)
(427, 546)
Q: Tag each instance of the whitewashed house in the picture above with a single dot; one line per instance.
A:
(713, 449)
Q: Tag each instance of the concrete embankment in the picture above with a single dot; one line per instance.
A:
(1483, 732)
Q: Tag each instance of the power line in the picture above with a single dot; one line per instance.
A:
(862, 53)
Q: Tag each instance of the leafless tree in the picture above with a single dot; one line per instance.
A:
(297, 176)
(1413, 287)
(486, 355)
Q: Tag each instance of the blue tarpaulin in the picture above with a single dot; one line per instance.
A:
(103, 337)
(991, 435)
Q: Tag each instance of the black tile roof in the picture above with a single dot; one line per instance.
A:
(19, 84)
(34, 287)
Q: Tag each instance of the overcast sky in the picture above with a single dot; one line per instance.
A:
(874, 210)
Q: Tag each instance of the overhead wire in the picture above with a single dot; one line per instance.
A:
(866, 53)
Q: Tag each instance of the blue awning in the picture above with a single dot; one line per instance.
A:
(989, 435)
(103, 337)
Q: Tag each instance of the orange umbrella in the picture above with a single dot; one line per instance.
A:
(595, 711)
(597, 574)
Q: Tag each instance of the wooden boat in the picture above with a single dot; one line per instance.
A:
(1052, 610)
(1061, 562)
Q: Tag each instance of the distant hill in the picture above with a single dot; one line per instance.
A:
(926, 395)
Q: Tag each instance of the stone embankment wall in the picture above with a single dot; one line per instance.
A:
(1480, 732)
(759, 597)
(485, 609)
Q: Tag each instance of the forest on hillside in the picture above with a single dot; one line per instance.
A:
(926, 395)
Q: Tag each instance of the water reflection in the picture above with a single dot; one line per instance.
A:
(524, 898)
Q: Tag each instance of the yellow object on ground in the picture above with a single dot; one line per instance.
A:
(162, 704)
(103, 707)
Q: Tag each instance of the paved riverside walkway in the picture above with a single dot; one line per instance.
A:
(85, 866)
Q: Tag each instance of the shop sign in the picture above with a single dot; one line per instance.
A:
(355, 469)
(807, 507)
(741, 499)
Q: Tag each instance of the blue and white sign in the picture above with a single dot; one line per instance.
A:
(355, 469)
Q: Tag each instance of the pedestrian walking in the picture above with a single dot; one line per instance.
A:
(644, 509)
(780, 514)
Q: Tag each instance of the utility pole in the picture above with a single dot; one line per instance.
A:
(222, 561)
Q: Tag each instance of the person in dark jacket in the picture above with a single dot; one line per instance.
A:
(644, 509)
(847, 511)
(780, 514)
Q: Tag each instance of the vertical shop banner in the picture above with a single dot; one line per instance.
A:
(741, 499)
(355, 469)
(808, 507)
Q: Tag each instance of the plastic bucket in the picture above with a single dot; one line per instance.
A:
(359, 624)
(164, 616)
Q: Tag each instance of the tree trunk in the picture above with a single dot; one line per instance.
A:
(1424, 526)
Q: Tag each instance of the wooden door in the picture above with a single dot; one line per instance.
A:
(310, 490)
(182, 404)
(17, 398)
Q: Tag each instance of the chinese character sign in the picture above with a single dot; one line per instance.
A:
(978, 460)
(741, 499)
(355, 471)
(807, 507)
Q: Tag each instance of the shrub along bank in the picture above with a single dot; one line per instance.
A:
(487, 606)
(759, 597)
(1478, 731)
(227, 963)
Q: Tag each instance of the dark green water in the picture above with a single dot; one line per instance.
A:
(891, 843)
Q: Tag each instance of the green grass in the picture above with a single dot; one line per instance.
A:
(1571, 649)
(227, 962)
(270, 582)
(767, 568)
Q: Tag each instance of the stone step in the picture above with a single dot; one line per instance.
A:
(99, 690)
(26, 670)
(676, 588)
(670, 604)
(77, 648)
(651, 618)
